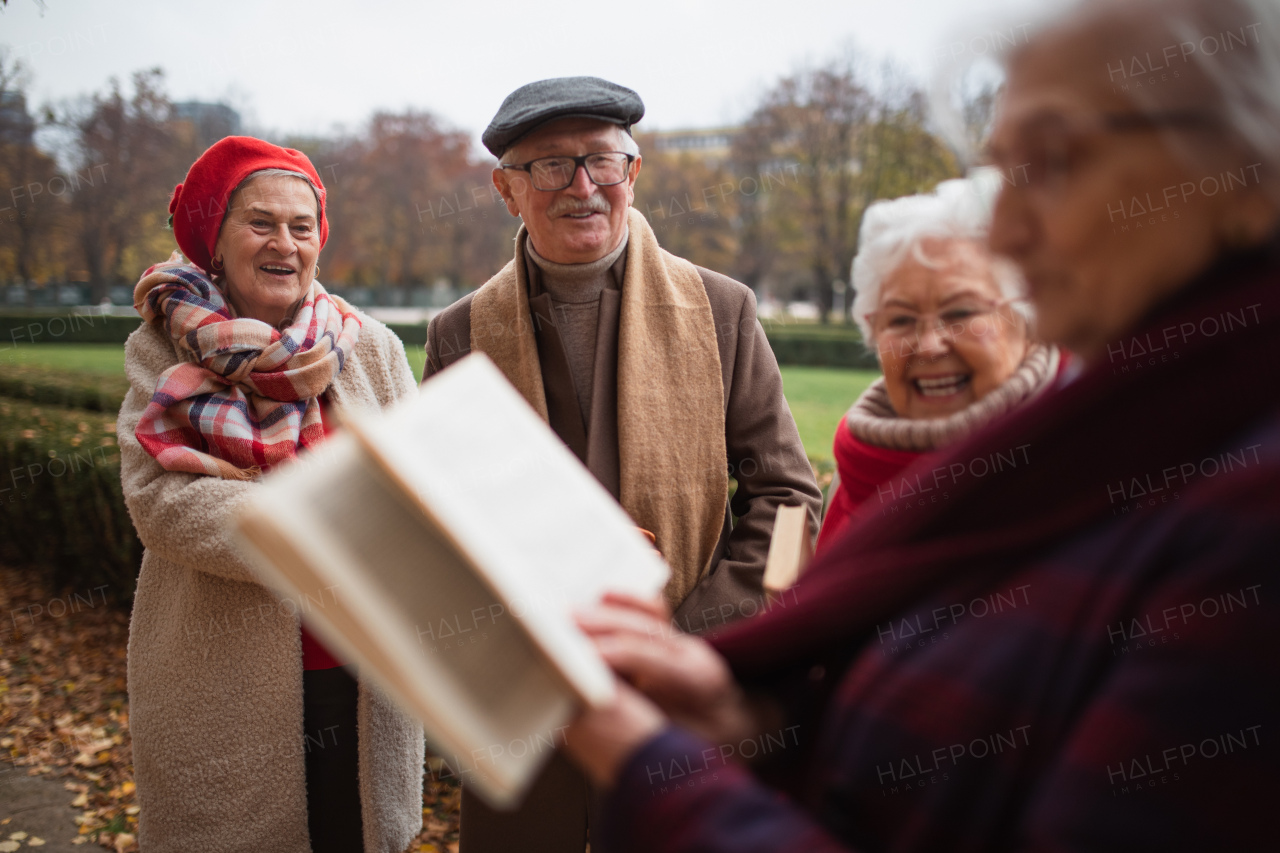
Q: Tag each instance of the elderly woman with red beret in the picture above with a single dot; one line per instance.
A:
(247, 734)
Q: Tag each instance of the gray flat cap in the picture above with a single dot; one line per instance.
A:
(560, 97)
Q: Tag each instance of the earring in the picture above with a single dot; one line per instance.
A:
(215, 265)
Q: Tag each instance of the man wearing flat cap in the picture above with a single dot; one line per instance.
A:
(654, 371)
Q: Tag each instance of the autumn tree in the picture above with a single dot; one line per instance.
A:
(776, 203)
(31, 226)
(851, 143)
(409, 204)
(691, 203)
(758, 233)
(126, 155)
(34, 206)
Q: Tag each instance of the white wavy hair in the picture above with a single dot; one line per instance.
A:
(958, 209)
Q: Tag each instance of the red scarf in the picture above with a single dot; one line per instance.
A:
(863, 469)
(1137, 410)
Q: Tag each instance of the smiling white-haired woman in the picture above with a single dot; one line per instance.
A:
(950, 326)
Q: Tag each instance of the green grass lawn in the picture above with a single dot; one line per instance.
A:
(417, 359)
(818, 396)
(81, 358)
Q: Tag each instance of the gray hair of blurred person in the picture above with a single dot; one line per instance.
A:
(956, 210)
(626, 144)
(1230, 50)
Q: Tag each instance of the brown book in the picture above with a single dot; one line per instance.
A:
(790, 549)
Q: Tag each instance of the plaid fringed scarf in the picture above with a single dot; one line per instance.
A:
(249, 400)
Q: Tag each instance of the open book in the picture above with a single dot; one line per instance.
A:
(446, 541)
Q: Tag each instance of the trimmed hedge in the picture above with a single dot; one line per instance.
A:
(806, 329)
(815, 345)
(61, 506)
(94, 392)
(65, 328)
(62, 511)
(800, 344)
(411, 335)
(813, 351)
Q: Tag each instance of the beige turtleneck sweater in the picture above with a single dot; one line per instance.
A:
(575, 299)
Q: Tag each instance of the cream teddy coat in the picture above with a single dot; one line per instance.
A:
(215, 658)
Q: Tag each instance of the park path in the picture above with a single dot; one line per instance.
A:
(39, 807)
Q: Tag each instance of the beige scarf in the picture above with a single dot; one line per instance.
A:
(872, 419)
(673, 462)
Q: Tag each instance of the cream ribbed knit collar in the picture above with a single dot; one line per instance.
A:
(872, 419)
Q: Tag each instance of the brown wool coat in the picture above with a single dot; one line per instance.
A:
(215, 659)
(762, 444)
(763, 452)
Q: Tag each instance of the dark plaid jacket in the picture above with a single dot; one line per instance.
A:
(1108, 685)
(1117, 694)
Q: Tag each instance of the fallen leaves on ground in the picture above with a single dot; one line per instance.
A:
(64, 714)
(441, 805)
(63, 708)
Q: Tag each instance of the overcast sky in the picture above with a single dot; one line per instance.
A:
(308, 67)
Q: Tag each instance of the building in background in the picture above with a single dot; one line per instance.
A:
(209, 122)
(711, 144)
(17, 127)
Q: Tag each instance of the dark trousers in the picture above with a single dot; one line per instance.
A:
(552, 818)
(333, 769)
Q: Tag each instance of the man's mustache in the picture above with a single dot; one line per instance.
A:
(594, 203)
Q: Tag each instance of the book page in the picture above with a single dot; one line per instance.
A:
(507, 491)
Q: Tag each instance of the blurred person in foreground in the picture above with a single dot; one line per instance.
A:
(950, 327)
(244, 727)
(653, 371)
(1079, 653)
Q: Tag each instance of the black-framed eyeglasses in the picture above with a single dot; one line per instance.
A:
(550, 174)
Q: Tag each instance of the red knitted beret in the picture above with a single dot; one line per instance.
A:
(200, 202)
